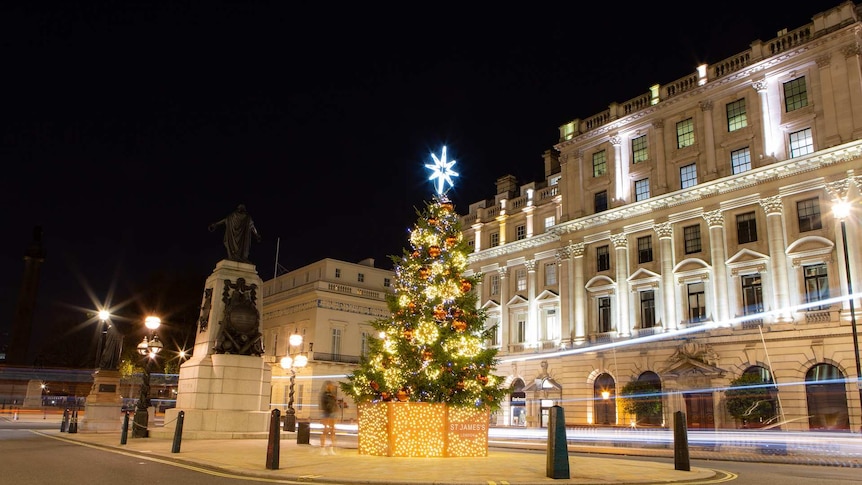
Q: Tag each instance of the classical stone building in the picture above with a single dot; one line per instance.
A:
(331, 304)
(687, 236)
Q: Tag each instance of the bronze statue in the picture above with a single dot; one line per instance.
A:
(238, 231)
(110, 358)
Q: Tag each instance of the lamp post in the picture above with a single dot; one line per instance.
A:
(148, 349)
(103, 315)
(841, 211)
(291, 363)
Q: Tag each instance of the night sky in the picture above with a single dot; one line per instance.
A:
(128, 127)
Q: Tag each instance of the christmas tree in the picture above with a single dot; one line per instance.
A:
(431, 348)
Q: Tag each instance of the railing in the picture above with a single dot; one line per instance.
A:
(789, 40)
(344, 359)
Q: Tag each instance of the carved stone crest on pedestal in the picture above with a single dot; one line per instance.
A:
(240, 326)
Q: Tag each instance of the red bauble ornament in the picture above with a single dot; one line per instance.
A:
(427, 354)
(440, 312)
(402, 395)
(424, 272)
(446, 206)
(374, 385)
(451, 241)
(432, 221)
(408, 334)
(459, 325)
(482, 379)
(466, 286)
(434, 251)
(415, 254)
(460, 385)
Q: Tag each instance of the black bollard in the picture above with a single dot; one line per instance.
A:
(124, 436)
(65, 422)
(558, 446)
(178, 432)
(680, 443)
(273, 446)
(73, 425)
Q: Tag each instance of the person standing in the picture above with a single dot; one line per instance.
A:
(327, 417)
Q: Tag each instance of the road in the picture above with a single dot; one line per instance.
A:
(27, 458)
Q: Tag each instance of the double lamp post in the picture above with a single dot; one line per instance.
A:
(148, 349)
(291, 363)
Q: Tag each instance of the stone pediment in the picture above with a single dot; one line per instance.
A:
(691, 265)
(644, 274)
(810, 244)
(491, 305)
(746, 256)
(517, 300)
(547, 295)
(688, 366)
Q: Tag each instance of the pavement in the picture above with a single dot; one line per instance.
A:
(518, 465)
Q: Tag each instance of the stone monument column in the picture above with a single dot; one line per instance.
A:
(224, 388)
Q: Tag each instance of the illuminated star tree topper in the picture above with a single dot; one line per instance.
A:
(442, 171)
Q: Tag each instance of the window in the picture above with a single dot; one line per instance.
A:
(337, 273)
(736, 117)
(494, 335)
(550, 274)
(603, 258)
(495, 239)
(600, 200)
(816, 285)
(360, 277)
(521, 232)
(600, 164)
(645, 249)
(685, 133)
(640, 149)
(696, 302)
(521, 328)
(740, 160)
(795, 94)
(647, 309)
(471, 244)
(691, 237)
(746, 228)
(752, 294)
(387, 282)
(364, 346)
(552, 326)
(808, 213)
(521, 279)
(604, 309)
(336, 343)
(495, 284)
(688, 176)
(801, 143)
(550, 222)
(642, 189)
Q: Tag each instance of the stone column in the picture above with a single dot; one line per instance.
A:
(621, 191)
(766, 122)
(661, 169)
(504, 307)
(622, 273)
(715, 221)
(533, 319)
(528, 211)
(709, 133)
(827, 91)
(577, 291)
(854, 80)
(664, 230)
(477, 241)
(777, 244)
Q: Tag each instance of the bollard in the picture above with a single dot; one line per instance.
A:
(558, 446)
(303, 433)
(73, 425)
(273, 446)
(178, 432)
(124, 436)
(65, 422)
(680, 443)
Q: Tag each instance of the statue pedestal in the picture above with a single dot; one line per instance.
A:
(33, 398)
(103, 410)
(223, 391)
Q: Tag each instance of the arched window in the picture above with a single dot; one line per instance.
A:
(651, 380)
(605, 402)
(827, 398)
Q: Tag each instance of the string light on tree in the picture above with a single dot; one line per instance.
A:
(431, 349)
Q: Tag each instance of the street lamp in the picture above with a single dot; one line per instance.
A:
(291, 363)
(842, 211)
(103, 315)
(148, 348)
